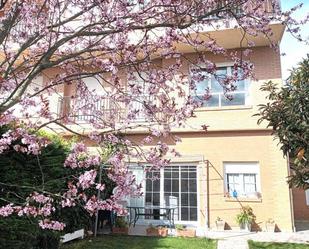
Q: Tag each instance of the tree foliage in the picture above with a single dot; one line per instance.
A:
(21, 175)
(288, 114)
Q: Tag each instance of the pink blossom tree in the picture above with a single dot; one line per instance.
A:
(117, 43)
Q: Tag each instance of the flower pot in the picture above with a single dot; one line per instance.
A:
(245, 226)
(157, 232)
(154, 231)
(120, 230)
(270, 227)
(220, 225)
(186, 232)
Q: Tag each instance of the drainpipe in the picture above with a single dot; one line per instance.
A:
(98, 197)
(207, 195)
(291, 195)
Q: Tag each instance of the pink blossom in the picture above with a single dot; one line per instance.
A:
(6, 210)
(147, 140)
(40, 198)
(52, 225)
(86, 179)
(100, 186)
(80, 158)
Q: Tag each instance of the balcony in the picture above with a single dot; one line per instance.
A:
(104, 110)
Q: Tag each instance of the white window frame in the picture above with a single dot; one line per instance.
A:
(242, 168)
(179, 190)
(159, 221)
(228, 66)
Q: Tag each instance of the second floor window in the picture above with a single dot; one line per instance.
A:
(238, 97)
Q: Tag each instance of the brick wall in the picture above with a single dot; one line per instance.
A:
(301, 210)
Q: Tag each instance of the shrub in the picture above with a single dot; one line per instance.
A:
(246, 216)
(120, 222)
(180, 227)
(20, 174)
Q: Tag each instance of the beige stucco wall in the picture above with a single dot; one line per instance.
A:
(236, 146)
(255, 146)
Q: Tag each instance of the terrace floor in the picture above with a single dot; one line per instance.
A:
(301, 236)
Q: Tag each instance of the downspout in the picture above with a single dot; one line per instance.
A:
(98, 197)
(291, 195)
(207, 196)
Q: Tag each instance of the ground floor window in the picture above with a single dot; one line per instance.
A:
(172, 186)
(242, 179)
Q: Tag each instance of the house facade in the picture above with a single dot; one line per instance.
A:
(236, 163)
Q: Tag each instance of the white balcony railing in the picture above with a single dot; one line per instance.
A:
(105, 109)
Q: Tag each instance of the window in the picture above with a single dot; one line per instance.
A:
(173, 185)
(218, 99)
(244, 178)
(96, 105)
(152, 194)
(152, 188)
(180, 182)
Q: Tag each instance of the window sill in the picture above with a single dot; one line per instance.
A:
(224, 108)
(242, 199)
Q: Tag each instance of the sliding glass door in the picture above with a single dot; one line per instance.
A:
(175, 185)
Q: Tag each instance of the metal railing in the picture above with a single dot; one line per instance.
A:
(103, 109)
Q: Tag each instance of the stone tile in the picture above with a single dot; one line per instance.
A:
(233, 244)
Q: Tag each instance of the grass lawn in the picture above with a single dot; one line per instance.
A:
(139, 242)
(260, 245)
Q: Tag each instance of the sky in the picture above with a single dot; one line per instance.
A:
(293, 49)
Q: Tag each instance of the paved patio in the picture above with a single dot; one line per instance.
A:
(290, 237)
(230, 239)
(238, 239)
(296, 237)
(233, 244)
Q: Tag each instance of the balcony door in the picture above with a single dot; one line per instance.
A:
(138, 88)
(174, 185)
(98, 106)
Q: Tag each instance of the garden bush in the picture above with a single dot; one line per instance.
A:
(21, 174)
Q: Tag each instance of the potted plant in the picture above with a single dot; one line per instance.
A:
(245, 218)
(270, 225)
(121, 226)
(158, 231)
(220, 224)
(183, 231)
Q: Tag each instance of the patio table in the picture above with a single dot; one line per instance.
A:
(148, 211)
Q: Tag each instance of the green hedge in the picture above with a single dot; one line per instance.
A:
(20, 169)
